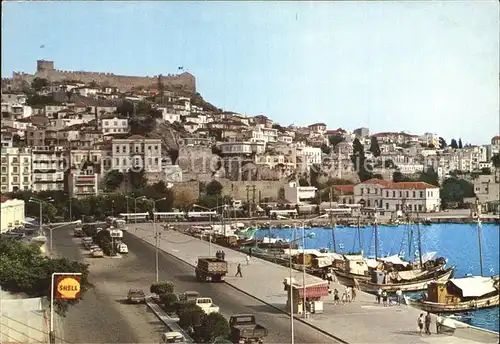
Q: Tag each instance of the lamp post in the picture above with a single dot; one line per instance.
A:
(157, 235)
(310, 235)
(135, 205)
(210, 221)
(41, 203)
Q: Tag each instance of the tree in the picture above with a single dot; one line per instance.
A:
(455, 190)
(190, 316)
(214, 325)
(213, 188)
(326, 149)
(23, 269)
(136, 179)
(454, 144)
(460, 145)
(429, 176)
(169, 301)
(334, 140)
(359, 160)
(114, 179)
(431, 146)
(399, 177)
(374, 147)
(495, 159)
(38, 83)
(442, 143)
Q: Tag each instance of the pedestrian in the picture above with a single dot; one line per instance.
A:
(353, 294)
(336, 298)
(384, 298)
(238, 271)
(355, 284)
(420, 323)
(428, 324)
(379, 295)
(250, 251)
(399, 296)
(223, 255)
(248, 259)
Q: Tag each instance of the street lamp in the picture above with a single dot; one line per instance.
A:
(310, 235)
(210, 221)
(40, 203)
(135, 205)
(157, 235)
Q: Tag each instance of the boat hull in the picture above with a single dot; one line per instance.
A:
(419, 285)
(433, 307)
(347, 278)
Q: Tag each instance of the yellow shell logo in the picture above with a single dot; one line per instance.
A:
(68, 288)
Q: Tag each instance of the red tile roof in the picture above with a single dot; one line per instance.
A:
(400, 185)
(344, 188)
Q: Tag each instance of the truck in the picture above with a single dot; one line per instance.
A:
(210, 269)
(245, 330)
(136, 296)
(206, 304)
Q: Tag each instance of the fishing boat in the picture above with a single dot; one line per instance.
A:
(460, 295)
(385, 282)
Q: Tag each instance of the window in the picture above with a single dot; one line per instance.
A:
(414, 194)
(394, 194)
(432, 193)
(106, 122)
(4, 169)
(15, 160)
(387, 205)
(26, 179)
(117, 161)
(421, 194)
(124, 149)
(397, 207)
(387, 194)
(137, 149)
(14, 169)
(26, 160)
(420, 207)
(362, 190)
(118, 149)
(4, 179)
(14, 179)
(407, 194)
(124, 162)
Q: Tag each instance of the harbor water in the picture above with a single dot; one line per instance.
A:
(458, 243)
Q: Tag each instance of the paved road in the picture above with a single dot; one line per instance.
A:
(226, 297)
(102, 317)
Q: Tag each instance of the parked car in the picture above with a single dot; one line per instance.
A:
(172, 337)
(98, 253)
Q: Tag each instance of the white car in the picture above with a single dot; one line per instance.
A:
(122, 248)
(172, 337)
(93, 248)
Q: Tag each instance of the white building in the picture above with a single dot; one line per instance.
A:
(48, 164)
(136, 152)
(169, 115)
(241, 148)
(16, 172)
(390, 196)
(173, 173)
(312, 155)
(296, 194)
(114, 125)
(263, 134)
(487, 188)
(12, 214)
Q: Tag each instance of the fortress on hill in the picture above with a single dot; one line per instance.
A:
(45, 70)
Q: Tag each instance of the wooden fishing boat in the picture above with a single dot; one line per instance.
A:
(408, 285)
(460, 295)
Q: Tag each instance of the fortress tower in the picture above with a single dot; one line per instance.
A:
(42, 66)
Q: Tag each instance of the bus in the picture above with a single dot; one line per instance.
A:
(170, 216)
(290, 213)
(134, 217)
(201, 215)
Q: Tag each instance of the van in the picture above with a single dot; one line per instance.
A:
(172, 337)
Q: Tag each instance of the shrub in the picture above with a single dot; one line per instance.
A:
(162, 288)
(214, 326)
(190, 316)
(170, 301)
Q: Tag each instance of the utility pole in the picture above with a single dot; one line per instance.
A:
(247, 187)
(70, 209)
(253, 198)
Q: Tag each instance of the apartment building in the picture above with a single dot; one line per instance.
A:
(114, 125)
(296, 194)
(487, 188)
(83, 184)
(391, 196)
(16, 168)
(241, 148)
(136, 152)
(48, 164)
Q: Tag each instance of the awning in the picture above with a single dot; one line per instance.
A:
(313, 290)
(474, 286)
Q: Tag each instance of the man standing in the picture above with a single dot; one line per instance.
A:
(428, 324)
(399, 296)
(248, 259)
(379, 295)
(238, 271)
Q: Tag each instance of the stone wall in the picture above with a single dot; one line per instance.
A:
(184, 81)
(263, 189)
(186, 191)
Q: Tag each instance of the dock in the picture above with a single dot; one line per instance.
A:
(362, 321)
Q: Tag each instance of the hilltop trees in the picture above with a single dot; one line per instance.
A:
(454, 144)
(460, 145)
(442, 143)
(359, 160)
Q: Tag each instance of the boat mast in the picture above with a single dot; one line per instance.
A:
(419, 244)
(479, 225)
(333, 221)
(359, 236)
(376, 235)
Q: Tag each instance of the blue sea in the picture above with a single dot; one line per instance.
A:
(456, 242)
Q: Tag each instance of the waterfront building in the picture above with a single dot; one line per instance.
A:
(391, 196)
(12, 213)
(296, 194)
(136, 152)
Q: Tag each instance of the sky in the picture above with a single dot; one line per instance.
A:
(389, 66)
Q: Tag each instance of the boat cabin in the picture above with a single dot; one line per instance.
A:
(460, 290)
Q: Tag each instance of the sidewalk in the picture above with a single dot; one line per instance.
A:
(363, 321)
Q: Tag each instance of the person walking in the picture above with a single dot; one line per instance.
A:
(399, 296)
(379, 295)
(384, 298)
(336, 298)
(250, 252)
(223, 255)
(428, 320)
(353, 294)
(420, 323)
(238, 271)
(248, 259)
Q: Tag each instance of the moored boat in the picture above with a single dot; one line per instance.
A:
(460, 295)
(417, 284)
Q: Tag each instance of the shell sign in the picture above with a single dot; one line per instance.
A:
(67, 287)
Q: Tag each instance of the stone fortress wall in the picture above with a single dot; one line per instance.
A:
(45, 69)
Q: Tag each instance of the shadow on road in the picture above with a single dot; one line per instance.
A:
(123, 302)
(264, 309)
(409, 333)
(186, 278)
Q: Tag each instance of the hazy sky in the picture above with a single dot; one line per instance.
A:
(390, 66)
